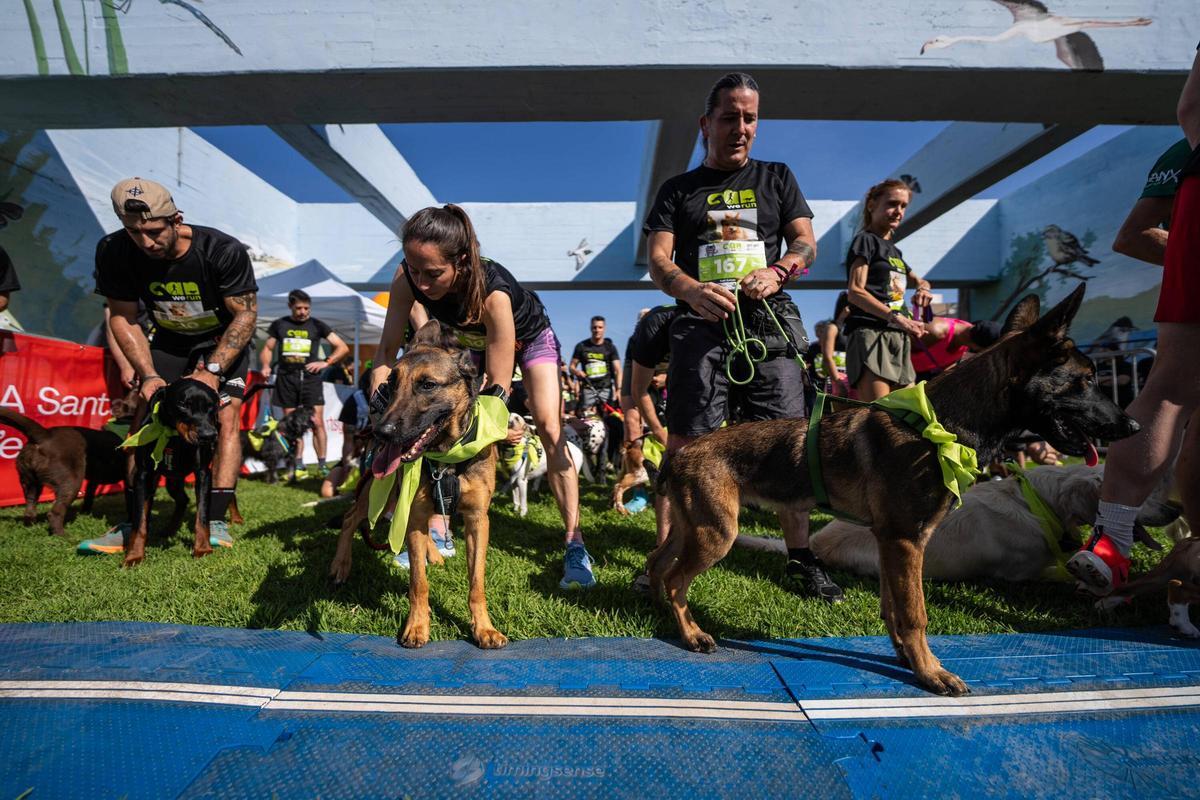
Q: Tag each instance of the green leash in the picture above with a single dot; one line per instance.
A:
(741, 345)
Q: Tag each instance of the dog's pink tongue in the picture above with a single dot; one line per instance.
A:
(1092, 458)
(386, 460)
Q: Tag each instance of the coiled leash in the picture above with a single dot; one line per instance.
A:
(741, 345)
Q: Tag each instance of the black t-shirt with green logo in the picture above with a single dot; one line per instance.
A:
(707, 207)
(185, 297)
(596, 361)
(298, 341)
(887, 278)
(529, 315)
(1163, 180)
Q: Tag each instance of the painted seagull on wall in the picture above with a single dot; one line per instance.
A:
(1034, 21)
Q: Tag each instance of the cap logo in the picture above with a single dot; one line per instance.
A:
(135, 191)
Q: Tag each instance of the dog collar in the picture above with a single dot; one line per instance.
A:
(489, 424)
(154, 432)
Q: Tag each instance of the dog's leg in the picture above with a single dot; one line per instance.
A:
(339, 570)
(178, 493)
(31, 485)
(900, 561)
(235, 515)
(1179, 598)
(64, 493)
(706, 533)
(143, 498)
(476, 525)
(885, 614)
(201, 546)
(418, 543)
(89, 496)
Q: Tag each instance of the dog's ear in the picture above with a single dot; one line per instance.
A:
(429, 334)
(466, 368)
(1057, 321)
(1023, 316)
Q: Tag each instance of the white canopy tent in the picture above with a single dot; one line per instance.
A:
(355, 318)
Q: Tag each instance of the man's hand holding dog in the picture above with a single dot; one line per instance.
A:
(150, 385)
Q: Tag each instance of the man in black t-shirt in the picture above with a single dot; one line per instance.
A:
(199, 288)
(298, 378)
(597, 364)
(719, 229)
(8, 279)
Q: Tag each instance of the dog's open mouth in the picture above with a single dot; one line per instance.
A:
(1078, 443)
(394, 454)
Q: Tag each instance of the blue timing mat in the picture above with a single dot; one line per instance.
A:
(151, 711)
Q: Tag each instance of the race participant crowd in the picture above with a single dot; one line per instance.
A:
(724, 240)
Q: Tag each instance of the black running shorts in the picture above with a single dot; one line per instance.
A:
(297, 387)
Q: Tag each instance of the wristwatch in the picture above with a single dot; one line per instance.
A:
(215, 369)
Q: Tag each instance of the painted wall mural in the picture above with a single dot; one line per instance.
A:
(1033, 21)
(111, 13)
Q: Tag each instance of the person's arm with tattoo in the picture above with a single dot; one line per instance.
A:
(800, 255)
(239, 333)
(711, 301)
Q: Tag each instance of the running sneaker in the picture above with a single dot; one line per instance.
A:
(218, 533)
(1099, 565)
(577, 568)
(322, 470)
(113, 540)
(810, 576)
(443, 540)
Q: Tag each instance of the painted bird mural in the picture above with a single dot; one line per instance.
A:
(1033, 21)
(580, 254)
(1064, 248)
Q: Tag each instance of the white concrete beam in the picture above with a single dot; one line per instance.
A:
(966, 158)
(362, 160)
(669, 146)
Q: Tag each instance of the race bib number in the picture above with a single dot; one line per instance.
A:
(727, 263)
(595, 369)
(897, 282)
(296, 350)
(184, 316)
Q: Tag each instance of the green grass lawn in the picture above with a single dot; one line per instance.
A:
(275, 577)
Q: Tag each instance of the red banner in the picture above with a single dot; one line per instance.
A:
(54, 383)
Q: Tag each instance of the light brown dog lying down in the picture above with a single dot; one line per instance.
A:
(993, 534)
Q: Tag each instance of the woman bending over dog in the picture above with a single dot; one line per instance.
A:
(879, 326)
(499, 322)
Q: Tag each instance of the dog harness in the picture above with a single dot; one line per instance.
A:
(268, 430)
(529, 450)
(154, 432)
(911, 406)
(489, 424)
(1052, 527)
(653, 450)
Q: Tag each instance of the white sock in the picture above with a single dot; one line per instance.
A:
(1117, 521)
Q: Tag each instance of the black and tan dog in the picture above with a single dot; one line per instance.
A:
(63, 458)
(433, 389)
(187, 409)
(279, 445)
(881, 471)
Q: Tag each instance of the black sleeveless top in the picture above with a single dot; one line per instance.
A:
(529, 315)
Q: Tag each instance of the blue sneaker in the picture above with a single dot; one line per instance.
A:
(443, 540)
(577, 568)
(218, 533)
(113, 540)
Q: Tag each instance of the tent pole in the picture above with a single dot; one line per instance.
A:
(356, 367)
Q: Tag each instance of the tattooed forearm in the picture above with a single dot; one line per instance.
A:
(806, 252)
(240, 330)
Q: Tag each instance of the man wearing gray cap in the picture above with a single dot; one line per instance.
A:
(199, 287)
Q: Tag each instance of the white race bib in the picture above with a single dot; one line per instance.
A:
(727, 263)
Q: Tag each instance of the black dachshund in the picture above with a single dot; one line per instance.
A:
(273, 446)
(177, 438)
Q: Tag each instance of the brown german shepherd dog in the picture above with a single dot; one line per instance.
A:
(881, 471)
(433, 387)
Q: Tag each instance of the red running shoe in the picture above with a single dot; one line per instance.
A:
(1099, 565)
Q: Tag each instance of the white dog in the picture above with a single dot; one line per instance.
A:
(527, 462)
(993, 534)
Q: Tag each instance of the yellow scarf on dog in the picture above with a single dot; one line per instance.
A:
(959, 465)
(489, 424)
(153, 431)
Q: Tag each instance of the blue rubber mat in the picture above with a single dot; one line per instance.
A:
(151, 711)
